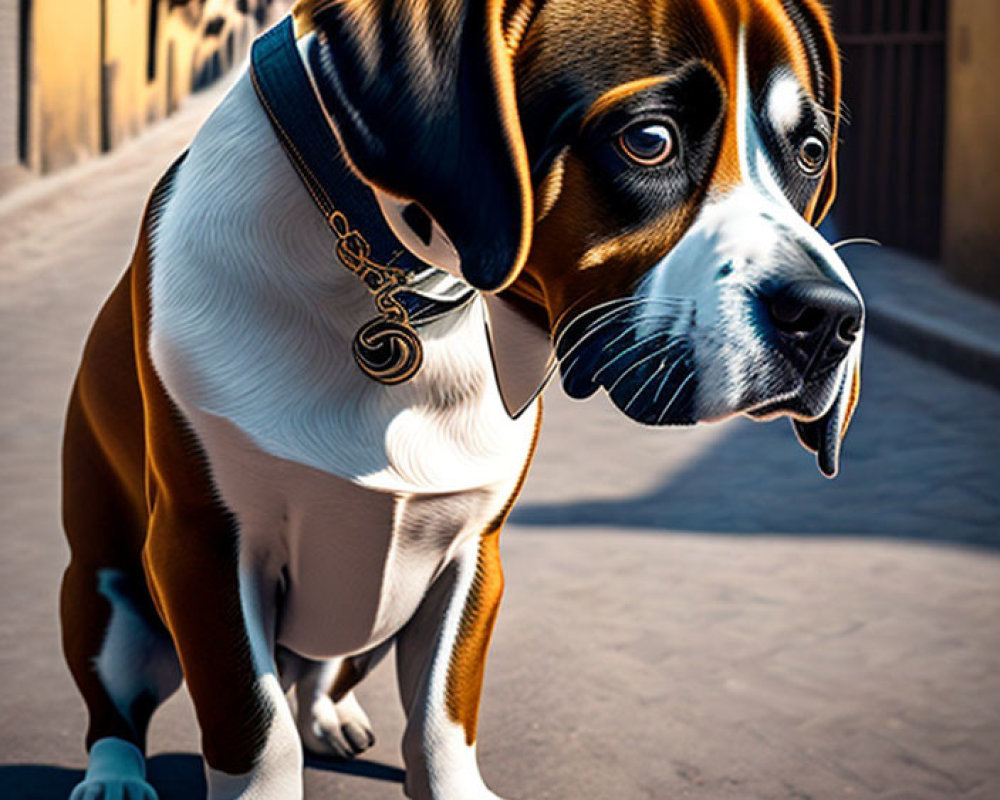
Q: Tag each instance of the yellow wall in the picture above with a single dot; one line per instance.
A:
(126, 46)
(67, 96)
(65, 119)
(9, 88)
(972, 169)
(179, 31)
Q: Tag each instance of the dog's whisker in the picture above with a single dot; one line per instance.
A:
(656, 354)
(666, 379)
(630, 330)
(618, 306)
(610, 316)
(642, 388)
(673, 398)
(637, 300)
(605, 316)
(854, 241)
(573, 361)
(573, 354)
(627, 332)
(568, 367)
(628, 350)
(598, 327)
(575, 304)
(600, 307)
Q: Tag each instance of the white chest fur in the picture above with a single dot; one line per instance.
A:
(356, 491)
(253, 321)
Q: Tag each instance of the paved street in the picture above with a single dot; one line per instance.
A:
(689, 614)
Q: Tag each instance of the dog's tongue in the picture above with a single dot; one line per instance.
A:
(823, 436)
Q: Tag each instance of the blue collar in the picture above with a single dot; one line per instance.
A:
(387, 349)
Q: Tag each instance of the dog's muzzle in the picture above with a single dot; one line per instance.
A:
(717, 329)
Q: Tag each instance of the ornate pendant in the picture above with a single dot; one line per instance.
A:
(387, 349)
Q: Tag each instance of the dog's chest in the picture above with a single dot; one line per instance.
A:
(253, 319)
(351, 493)
(350, 564)
(351, 589)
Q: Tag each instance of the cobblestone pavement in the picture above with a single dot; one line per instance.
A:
(691, 614)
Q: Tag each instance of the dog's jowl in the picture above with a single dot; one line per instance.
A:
(304, 413)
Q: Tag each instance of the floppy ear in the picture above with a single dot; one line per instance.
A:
(812, 21)
(422, 95)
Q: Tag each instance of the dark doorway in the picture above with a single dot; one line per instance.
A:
(154, 21)
(23, 81)
(892, 158)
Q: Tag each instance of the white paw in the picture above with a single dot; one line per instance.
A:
(465, 793)
(117, 771)
(340, 730)
(113, 790)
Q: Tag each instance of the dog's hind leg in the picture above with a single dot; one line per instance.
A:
(117, 649)
(329, 717)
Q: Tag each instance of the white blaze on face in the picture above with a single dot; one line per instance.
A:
(784, 104)
(757, 171)
(742, 239)
(784, 109)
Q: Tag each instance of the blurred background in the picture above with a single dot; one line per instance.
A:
(919, 163)
(691, 613)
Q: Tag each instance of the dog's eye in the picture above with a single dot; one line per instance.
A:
(812, 155)
(649, 144)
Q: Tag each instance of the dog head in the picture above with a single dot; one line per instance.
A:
(646, 171)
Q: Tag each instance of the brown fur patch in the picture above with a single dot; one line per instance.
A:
(348, 676)
(468, 657)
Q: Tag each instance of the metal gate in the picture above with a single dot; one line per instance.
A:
(892, 155)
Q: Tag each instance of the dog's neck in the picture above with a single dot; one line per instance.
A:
(520, 350)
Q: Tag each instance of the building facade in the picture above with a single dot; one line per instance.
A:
(919, 165)
(78, 77)
(971, 231)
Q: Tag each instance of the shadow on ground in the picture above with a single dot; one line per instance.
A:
(175, 776)
(920, 463)
(373, 770)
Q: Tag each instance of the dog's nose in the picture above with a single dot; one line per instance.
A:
(816, 322)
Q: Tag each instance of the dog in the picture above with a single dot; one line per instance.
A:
(620, 191)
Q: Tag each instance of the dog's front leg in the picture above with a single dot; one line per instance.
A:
(220, 612)
(441, 655)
